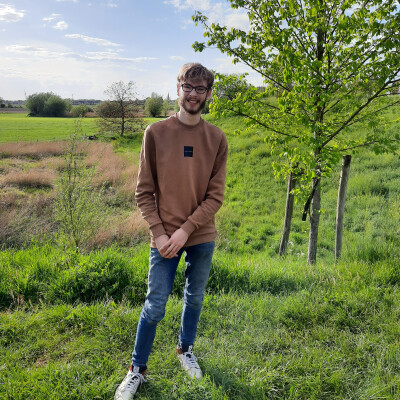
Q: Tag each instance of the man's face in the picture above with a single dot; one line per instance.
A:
(193, 102)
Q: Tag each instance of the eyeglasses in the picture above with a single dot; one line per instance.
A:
(199, 89)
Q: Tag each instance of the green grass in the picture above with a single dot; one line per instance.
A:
(270, 328)
(20, 127)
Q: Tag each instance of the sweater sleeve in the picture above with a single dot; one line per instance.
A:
(146, 185)
(215, 192)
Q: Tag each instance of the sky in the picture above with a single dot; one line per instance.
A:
(77, 48)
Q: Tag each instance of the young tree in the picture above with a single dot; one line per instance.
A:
(154, 105)
(327, 65)
(119, 113)
(78, 207)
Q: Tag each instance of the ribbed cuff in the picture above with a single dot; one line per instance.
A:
(188, 227)
(158, 230)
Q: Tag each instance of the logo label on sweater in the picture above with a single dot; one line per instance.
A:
(187, 151)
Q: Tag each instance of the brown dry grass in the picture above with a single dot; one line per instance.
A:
(26, 214)
(109, 165)
(25, 220)
(125, 230)
(9, 198)
(128, 182)
(33, 150)
(33, 178)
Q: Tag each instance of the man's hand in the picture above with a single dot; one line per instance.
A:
(174, 244)
(160, 242)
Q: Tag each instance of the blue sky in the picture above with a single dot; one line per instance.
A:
(78, 47)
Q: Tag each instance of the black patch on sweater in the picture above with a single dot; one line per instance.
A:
(187, 151)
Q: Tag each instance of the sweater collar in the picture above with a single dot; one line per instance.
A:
(190, 127)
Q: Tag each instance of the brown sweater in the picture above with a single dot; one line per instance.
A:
(181, 178)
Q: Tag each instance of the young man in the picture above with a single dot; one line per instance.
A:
(180, 187)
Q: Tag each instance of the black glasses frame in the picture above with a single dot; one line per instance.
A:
(203, 89)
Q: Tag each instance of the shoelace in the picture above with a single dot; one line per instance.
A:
(133, 380)
(191, 360)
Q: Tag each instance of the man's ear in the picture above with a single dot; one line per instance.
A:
(209, 94)
(178, 86)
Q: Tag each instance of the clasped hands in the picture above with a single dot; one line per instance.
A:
(169, 246)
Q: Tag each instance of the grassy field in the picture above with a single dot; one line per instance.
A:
(271, 328)
(19, 127)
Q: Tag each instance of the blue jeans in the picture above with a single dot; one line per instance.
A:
(161, 277)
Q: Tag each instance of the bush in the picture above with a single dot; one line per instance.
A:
(55, 106)
(46, 105)
(80, 110)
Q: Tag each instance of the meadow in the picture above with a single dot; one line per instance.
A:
(271, 328)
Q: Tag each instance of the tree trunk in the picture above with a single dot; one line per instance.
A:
(314, 224)
(288, 214)
(344, 178)
(122, 126)
(319, 118)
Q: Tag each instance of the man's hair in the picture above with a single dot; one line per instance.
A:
(195, 71)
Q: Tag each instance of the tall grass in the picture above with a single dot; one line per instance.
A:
(28, 173)
(271, 328)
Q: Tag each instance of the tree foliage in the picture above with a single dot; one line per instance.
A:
(79, 110)
(166, 108)
(46, 105)
(119, 113)
(154, 105)
(327, 65)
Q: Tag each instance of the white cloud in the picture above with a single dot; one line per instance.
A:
(92, 40)
(43, 53)
(237, 20)
(177, 58)
(186, 24)
(216, 12)
(44, 66)
(112, 5)
(113, 56)
(36, 51)
(61, 25)
(10, 14)
(202, 5)
(62, 1)
(52, 17)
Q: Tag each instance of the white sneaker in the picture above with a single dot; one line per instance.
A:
(128, 387)
(189, 363)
